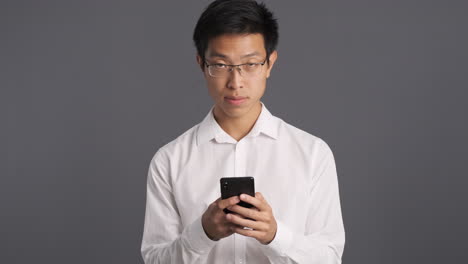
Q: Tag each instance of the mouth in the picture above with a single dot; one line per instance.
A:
(235, 100)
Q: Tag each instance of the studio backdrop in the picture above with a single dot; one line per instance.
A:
(90, 90)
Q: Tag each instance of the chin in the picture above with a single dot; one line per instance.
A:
(233, 111)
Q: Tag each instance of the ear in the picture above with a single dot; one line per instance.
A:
(200, 63)
(273, 57)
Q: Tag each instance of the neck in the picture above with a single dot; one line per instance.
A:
(238, 127)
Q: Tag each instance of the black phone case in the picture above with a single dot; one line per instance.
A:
(234, 186)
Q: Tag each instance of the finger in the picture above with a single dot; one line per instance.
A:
(214, 204)
(228, 202)
(261, 205)
(250, 233)
(237, 220)
(230, 227)
(259, 195)
(251, 213)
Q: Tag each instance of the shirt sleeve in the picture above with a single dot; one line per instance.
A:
(323, 242)
(165, 240)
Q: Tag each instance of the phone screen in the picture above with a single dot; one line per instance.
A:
(235, 186)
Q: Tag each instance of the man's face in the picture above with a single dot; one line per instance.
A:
(237, 49)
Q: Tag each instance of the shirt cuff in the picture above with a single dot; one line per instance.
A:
(196, 238)
(282, 241)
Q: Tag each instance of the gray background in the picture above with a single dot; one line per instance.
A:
(91, 89)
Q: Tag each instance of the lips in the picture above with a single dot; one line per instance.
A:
(236, 97)
(235, 100)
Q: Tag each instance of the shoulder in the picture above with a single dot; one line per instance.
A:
(312, 150)
(176, 147)
(309, 143)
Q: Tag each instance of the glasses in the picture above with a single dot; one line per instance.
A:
(246, 69)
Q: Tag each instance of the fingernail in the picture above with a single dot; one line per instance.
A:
(242, 196)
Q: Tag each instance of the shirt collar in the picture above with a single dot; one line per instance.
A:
(208, 129)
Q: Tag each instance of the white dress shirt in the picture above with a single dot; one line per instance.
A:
(294, 170)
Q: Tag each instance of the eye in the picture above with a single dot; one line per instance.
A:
(251, 65)
(219, 66)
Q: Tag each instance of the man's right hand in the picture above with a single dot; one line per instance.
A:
(214, 219)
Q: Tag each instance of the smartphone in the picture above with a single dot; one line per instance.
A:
(235, 186)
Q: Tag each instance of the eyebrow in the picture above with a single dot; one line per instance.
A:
(215, 54)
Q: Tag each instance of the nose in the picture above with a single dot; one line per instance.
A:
(235, 79)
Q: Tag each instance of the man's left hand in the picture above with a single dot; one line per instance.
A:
(259, 219)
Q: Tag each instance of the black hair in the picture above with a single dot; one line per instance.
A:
(235, 17)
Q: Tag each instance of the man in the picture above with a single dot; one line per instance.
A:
(296, 216)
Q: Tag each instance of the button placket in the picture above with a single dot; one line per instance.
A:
(240, 161)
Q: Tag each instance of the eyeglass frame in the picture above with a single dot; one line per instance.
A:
(231, 66)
